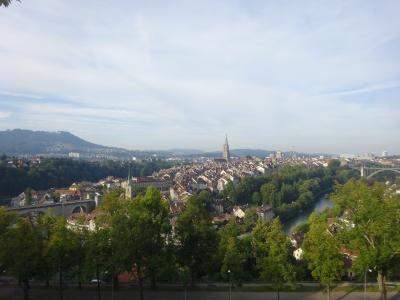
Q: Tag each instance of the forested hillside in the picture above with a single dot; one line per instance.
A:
(60, 172)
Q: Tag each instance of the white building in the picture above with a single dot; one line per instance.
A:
(73, 155)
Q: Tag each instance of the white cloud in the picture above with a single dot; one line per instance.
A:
(174, 74)
(4, 114)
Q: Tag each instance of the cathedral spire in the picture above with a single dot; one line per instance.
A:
(129, 173)
(226, 152)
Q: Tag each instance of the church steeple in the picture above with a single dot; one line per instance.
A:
(226, 152)
(129, 173)
(128, 188)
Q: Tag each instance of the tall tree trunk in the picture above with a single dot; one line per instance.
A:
(79, 277)
(26, 289)
(47, 277)
(98, 282)
(141, 287)
(153, 281)
(116, 282)
(277, 291)
(192, 278)
(61, 282)
(382, 285)
(140, 278)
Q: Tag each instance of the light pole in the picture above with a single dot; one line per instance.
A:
(230, 285)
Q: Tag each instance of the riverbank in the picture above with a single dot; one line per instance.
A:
(320, 205)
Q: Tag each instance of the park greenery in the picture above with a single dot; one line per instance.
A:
(138, 236)
(60, 172)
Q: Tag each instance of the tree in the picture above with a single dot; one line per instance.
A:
(47, 267)
(20, 250)
(153, 230)
(322, 251)
(80, 236)
(6, 219)
(145, 235)
(370, 226)
(275, 259)
(250, 219)
(256, 198)
(99, 253)
(196, 239)
(61, 248)
(114, 216)
(268, 192)
(231, 251)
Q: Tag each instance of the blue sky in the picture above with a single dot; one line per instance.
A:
(318, 76)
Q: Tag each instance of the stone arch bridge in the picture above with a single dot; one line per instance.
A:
(368, 172)
(63, 208)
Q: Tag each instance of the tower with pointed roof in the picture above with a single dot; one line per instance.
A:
(226, 153)
(129, 187)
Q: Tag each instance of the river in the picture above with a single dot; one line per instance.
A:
(319, 206)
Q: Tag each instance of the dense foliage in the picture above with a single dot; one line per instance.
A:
(369, 226)
(290, 189)
(60, 172)
(139, 236)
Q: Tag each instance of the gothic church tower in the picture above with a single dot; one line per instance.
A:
(226, 152)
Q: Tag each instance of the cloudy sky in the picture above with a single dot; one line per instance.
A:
(319, 76)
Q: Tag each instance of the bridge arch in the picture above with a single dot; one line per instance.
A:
(79, 209)
(382, 170)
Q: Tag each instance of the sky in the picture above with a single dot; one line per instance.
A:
(312, 76)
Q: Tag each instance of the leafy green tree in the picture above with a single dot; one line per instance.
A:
(80, 236)
(196, 239)
(153, 232)
(47, 266)
(268, 193)
(6, 220)
(259, 240)
(231, 251)
(99, 253)
(61, 248)
(250, 219)
(371, 215)
(275, 263)
(233, 260)
(256, 198)
(20, 250)
(322, 251)
(114, 217)
(146, 235)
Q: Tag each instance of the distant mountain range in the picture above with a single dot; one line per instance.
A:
(28, 142)
(20, 142)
